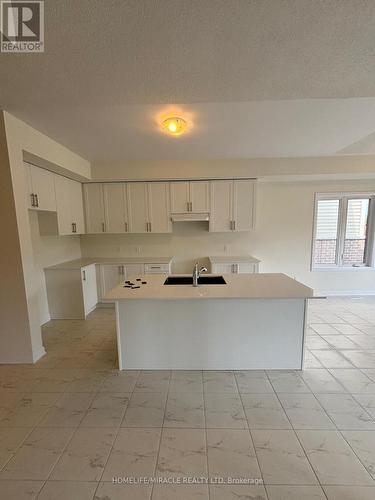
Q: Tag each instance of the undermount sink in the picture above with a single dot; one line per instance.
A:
(188, 280)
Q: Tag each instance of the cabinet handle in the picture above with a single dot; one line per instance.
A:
(73, 227)
(188, 206)
(84, 275)
(36, 200)
(191, 206)
(103, 227)
(32, 200)
(231, 225)
(150, 227)
(126, 227)
(234, 225)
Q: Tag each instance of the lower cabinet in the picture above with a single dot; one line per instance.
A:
(235, 268)
(71, 293)
(74, 293)
(110, 275)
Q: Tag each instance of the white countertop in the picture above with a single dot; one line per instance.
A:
(80, 263)
(228, 259)
(239, 286)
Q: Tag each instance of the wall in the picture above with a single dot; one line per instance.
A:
(14, 323)
(350, 167)
(47, 251)
(282, 239)
(21, 137)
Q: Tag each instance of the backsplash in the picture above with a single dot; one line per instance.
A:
(190, 241)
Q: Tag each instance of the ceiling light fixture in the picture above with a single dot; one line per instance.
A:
(174, 125)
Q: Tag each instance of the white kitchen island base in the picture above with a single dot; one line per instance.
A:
(211, 334)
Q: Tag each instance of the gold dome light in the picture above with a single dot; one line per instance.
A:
(174, 125)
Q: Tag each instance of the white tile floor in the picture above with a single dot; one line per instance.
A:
(72, 422)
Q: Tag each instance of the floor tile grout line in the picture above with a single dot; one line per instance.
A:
(75, 431)
(355, 453)
(250, 434)
(206, 439)
(161, 428)
(117, 432)
(304, 451)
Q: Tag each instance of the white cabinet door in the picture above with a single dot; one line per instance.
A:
(137, 207)
(134, 270)
(222, 268)
(199, 196)
(247, 268)
(116, 214)
(89, 288)
(43, 188)
(29, 187)
(69, 205)
(243, 205)
(94, 207)
(111, 275)
(221, 206)
(76, 200)
(64, 209)
(159, 207)
(180, 197)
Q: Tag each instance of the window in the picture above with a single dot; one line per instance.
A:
(343, 231)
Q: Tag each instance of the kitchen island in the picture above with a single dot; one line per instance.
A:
(253, 321)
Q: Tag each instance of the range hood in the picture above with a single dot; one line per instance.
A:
(189, 216)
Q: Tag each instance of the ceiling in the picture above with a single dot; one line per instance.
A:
(255, 78)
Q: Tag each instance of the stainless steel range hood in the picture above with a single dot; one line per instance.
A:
(189, 216)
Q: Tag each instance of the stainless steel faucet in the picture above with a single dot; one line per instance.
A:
(197, 272)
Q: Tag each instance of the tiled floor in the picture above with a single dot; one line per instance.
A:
(72, 422)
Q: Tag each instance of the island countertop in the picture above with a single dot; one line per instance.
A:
(238, 286)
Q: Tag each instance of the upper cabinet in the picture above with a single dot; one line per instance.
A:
(70, 218)
(244, 205)
(232, 205)
(146, 207)
(41, 188)
(58, 200)
(200, 196)
(94, 208)
(115, 208)
(137, 207)
(190, 196)
(159, 207)
(149, 207)
(134, 207)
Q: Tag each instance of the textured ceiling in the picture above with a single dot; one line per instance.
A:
(116, 62)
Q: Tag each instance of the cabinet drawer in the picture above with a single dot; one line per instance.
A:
(156, 268)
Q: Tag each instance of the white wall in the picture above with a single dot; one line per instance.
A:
(21, 137)
(47, 251)
(282, 238)
(350, 167)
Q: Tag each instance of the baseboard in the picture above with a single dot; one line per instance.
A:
(348, 293)
(45, 319)
(110, 305)
(39, 354)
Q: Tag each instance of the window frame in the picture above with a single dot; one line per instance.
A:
(343, 198)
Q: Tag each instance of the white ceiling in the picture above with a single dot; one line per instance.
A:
(258, 78)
